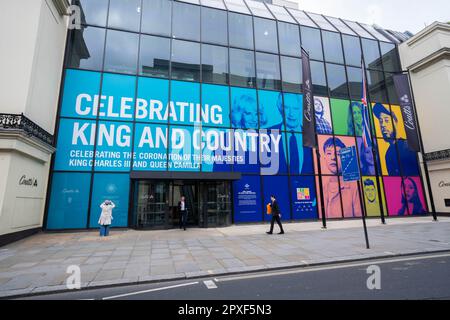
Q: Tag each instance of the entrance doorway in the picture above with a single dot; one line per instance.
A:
(156, 203)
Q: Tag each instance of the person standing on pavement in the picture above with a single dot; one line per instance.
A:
(106, 217)
(276, 215)
(182, 209)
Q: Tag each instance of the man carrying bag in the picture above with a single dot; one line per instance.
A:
(274, 209)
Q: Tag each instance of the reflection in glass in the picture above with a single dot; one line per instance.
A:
(214, 64)
(214, 26)
(389, 57)
(291, 70)
(185, 60)
(377, 86)
(125, 14)
(318, 78)
(156, 17)
(121, 51)
(372, 57)
(93, 12)
(352, 50)
(242, 68)
(289, 39)
(311, 43)
(86, 48)
(266, 35)
(355, 82)
(332, 47)
(186, 21)
(154, 56)
(268, 71)
(240, 30)
(337, 81)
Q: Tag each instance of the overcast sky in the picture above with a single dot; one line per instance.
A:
(398, 15)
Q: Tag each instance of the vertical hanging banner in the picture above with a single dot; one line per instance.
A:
(401, 83)
(309, 132)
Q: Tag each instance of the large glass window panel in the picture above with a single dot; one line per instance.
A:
(372, 57)
(321, 22)
(374, 32)
(392, 93)
(259, 9)
(214, 26)
(318, 78)
(94, 12)
(86, 47)
(357, 28)
(268, 71)
(154, 56)
(121, 51)
(156, 17)
(311, 42)
(214, 64)
(355, 82)
(69, 201)
(342, 27)
(213, 4)
(389, 57)
(280, 13)
(270, 106)
(377, 86)
(113, 187)
(242, 68)
(352, 50)
(185, 60)
(302, 18)
(337, 81)
(240, 30)
(332, 47)
(237, 6)
(186, 21)
(289, 39)
(120, 90)
(125, 14)
(291, 71)
(266, 35)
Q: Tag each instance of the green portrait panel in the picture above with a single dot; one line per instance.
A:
(340, 110)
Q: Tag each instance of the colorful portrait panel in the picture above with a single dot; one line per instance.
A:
(366, 160)
(413, 202)
(351, 203)
(323, 115)
(271, 110)
(383, 120)
(388, 158)
(244, 108)
(394, 194)
(293, 112)
(399, 124)
(340, 110)
(331, 197)
(371, 197)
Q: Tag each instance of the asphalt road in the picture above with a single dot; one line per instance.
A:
(417, 277)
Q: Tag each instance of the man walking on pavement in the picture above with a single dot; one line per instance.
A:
(182, 209)
(276, 215)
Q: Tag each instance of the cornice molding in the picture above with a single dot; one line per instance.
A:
(435, 57)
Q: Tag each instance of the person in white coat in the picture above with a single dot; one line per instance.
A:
(106, 217)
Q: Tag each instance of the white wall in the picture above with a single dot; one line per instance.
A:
(32, 46)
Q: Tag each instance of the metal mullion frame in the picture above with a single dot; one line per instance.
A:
(375, 152)
(96, 123)
(333, 134)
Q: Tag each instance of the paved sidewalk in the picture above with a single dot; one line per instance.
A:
(38, 264)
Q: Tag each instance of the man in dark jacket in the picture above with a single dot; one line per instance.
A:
(182, 209)
(276, 215)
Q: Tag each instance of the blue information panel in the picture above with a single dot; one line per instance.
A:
(349, 163)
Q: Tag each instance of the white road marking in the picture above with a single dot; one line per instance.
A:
(150, 290)
(342, 266)
(210, 284)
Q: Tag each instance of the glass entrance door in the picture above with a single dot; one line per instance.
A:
(156, 203)
(215, 203)
(151, 204)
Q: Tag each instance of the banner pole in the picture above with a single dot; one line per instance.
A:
(424, 159)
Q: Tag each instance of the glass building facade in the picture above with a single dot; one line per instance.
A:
(203, 98)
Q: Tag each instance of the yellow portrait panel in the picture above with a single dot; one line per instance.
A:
(399, 124)
(383, 146)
